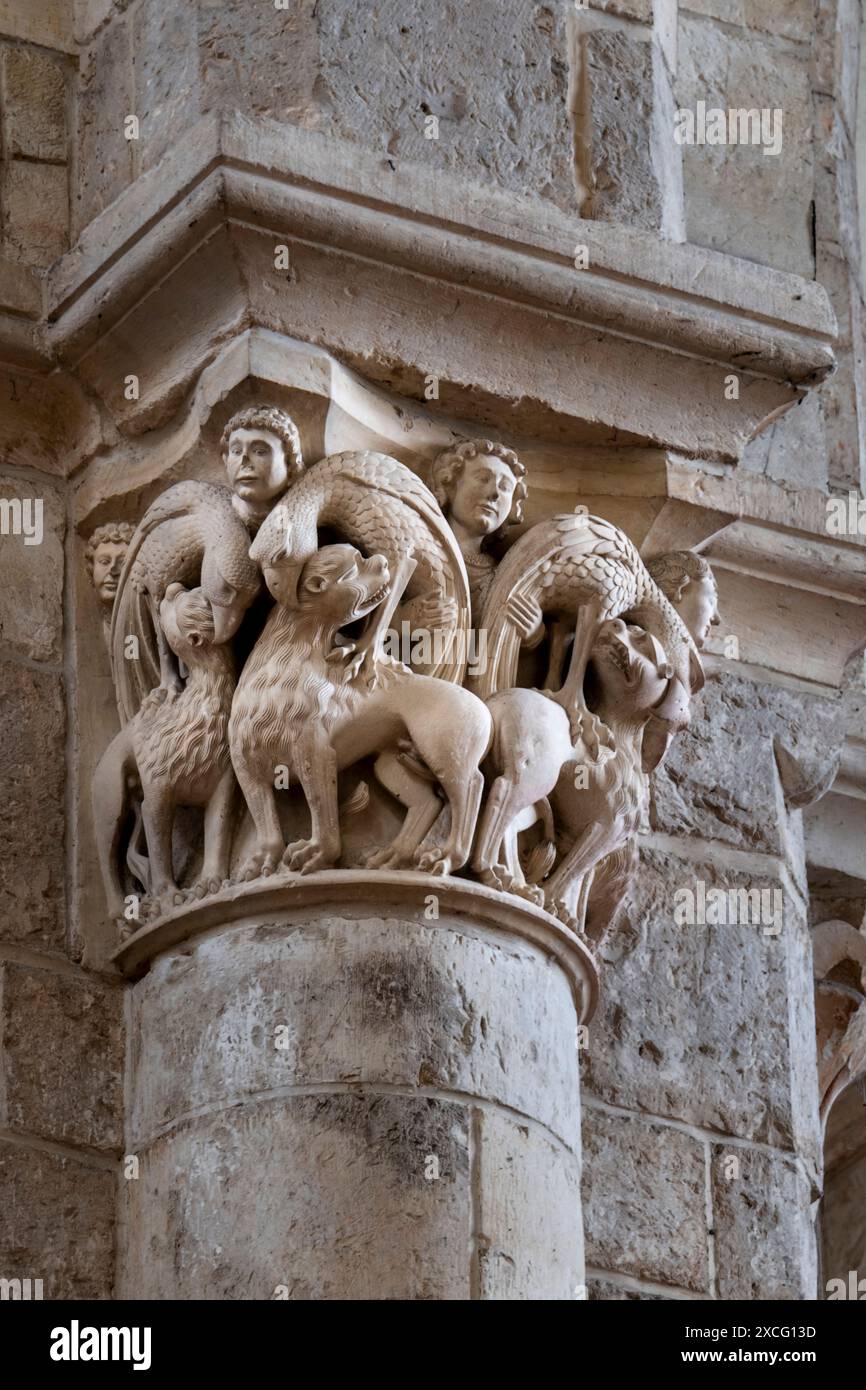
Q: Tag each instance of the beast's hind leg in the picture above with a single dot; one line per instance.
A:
(464, 797)
(423, 805)
(490, 860)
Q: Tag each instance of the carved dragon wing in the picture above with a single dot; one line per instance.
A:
(561, 563)
(565, 562)
(135, 676)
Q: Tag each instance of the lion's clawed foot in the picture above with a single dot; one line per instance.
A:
(308, 856)
(497, 876)
(531, 893)
(435, 861)
(165, 900)
(558, 909)
(260, 864)
(206, 886)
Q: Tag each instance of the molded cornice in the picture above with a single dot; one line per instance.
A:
(637, 346)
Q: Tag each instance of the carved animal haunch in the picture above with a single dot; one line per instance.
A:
(176, 750)
(299, 706)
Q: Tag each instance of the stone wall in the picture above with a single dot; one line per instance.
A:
(700, 1077)
(60, 1024)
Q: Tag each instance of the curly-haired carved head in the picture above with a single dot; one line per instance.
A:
(261, 449)
(688, 582)
(104, 555)
(480, 485)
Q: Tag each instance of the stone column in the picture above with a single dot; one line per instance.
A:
(358, 1085)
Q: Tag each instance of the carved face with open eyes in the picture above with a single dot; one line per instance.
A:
(482, 495)
(108, 561)
(698, 608)
(255, 461)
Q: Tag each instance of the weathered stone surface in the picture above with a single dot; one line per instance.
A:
(505, 122)
(45, 422)
(262, 61)
(62, 1056)
(37, 210)
(104, 101)
(794, 450)
(35, 104)
(33, 776)
(792, 19)
(31, 576)
(49, 23)
(209, 306)
(683, 1028)
(770, 220)
(605, 1291)
(843, 1214)
(843, 1224)
(765, 1239)
(20, 288)
(531, 1230)
(644, 1196)
(165, 73)
(375, 1001)
(623, 182)
(323, 1195)
(56, 1222)
(91, 14)
(632, 9)
(720, 780)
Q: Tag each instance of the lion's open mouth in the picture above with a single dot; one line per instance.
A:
(379, 595)
(618, 655)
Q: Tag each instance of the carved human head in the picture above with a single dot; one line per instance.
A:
(261, 450)
(340, 585)
(480, 485)
(688, 582)
(104, 555)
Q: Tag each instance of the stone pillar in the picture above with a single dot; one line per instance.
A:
(336, 1093)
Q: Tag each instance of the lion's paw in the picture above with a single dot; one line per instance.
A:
(435, 861)
(309, 856)
(260, 864)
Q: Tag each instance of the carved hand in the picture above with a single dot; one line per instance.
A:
(431, 613)
(526, 616)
